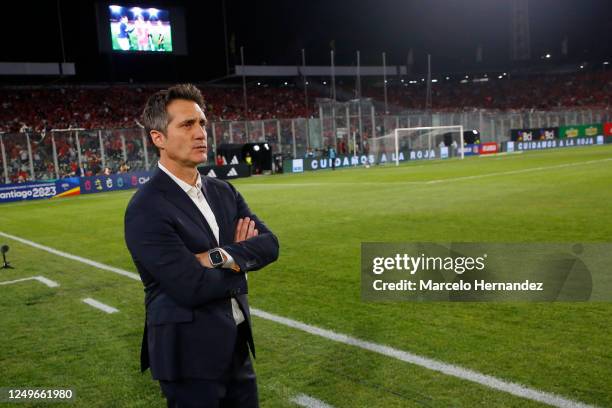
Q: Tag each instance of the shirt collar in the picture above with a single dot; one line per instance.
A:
(186, 187)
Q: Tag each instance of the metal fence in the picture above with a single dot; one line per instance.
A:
(63, 153)
(494, 126)
(353, 122)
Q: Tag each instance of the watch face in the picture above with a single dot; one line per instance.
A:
(216, 257)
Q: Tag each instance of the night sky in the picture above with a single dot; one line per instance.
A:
(274, 31)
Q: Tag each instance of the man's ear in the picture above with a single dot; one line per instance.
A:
(158, 138)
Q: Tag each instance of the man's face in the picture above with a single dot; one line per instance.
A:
(185, 139)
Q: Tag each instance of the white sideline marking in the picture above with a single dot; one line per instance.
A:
(41, 279)
(100, 305)
(425, 362)
(309, 402)
(429, 363)
(73, 257)
(426, 182)
(505, 173)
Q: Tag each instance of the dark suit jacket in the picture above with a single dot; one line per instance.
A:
(189, 328)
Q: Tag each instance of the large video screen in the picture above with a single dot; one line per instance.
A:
(140, 29)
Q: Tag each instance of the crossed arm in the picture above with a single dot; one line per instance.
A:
(245, 229)
(254, 246)
(161, 254)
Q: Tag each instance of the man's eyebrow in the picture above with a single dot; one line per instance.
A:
(189, 121)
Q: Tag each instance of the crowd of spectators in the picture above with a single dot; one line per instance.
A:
(589, 89)
(39, 109)
(43, 164)
(30, 113)
(119, 106)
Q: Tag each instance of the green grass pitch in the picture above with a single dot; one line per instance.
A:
(49, 338)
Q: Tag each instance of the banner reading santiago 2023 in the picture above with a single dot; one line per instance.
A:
(39, 189)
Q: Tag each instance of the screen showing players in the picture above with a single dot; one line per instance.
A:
(140, 29)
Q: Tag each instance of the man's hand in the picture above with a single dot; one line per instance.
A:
(245, 230)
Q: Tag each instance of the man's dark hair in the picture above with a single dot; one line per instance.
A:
(155, 115)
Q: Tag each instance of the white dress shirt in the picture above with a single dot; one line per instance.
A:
(196, 195)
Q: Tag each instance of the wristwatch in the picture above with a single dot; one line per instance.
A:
(216, 258)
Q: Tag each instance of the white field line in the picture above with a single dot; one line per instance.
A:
(77, 258)
(100, 305)
(506, 173)
(425, 362)
(427, 182)
(41, 279)
(309, 402)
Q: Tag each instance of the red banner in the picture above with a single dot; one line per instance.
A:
(488, 148)
(607, 129)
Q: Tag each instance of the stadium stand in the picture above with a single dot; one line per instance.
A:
(39, 109)
(111, 107)
(592, 89)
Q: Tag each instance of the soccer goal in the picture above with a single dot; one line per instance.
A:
(420, 142)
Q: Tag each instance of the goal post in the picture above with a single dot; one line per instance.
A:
(406, 141)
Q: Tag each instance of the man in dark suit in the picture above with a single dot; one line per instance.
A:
(193, 239)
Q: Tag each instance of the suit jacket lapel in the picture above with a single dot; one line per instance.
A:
(181, 200)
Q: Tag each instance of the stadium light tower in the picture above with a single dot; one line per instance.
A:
(521, 43)
(384, 61)
(244, 92)
(305, 80)
(333, 75)
(428, 92)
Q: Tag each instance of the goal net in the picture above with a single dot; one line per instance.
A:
(417, 143)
